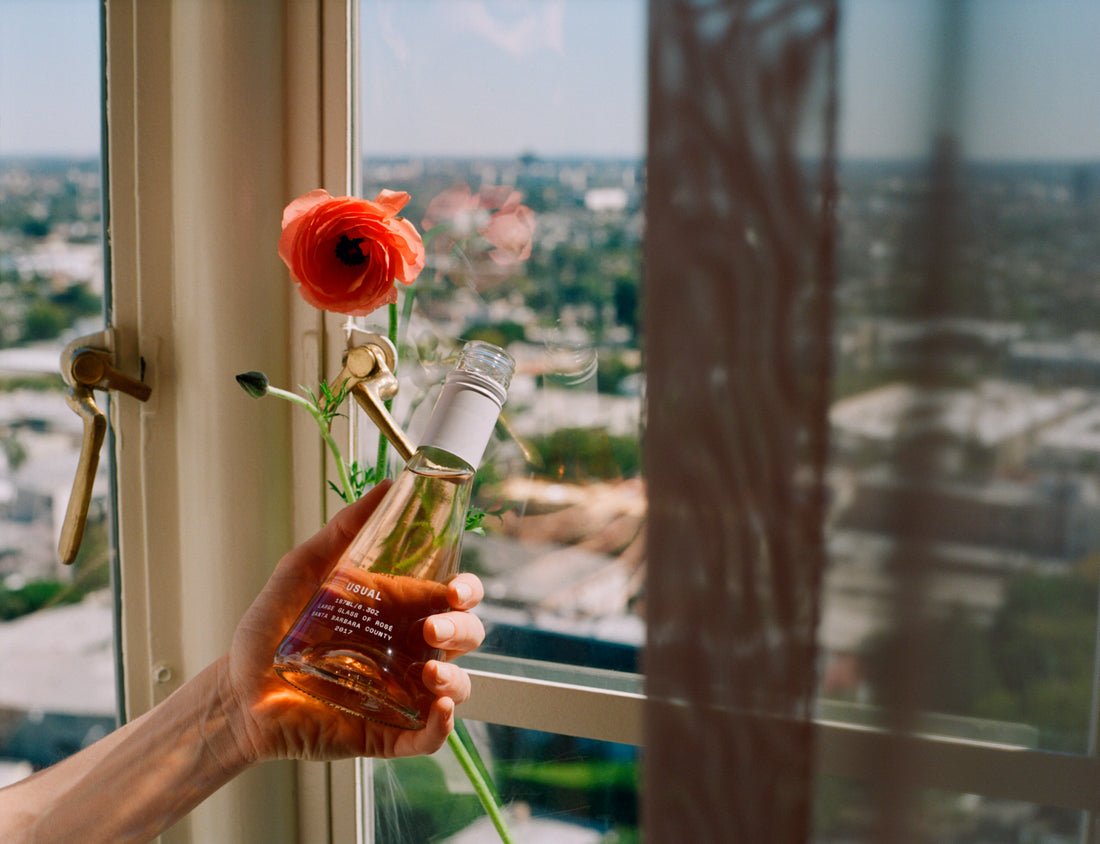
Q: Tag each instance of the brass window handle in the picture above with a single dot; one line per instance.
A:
(86, 368)
(368, 376)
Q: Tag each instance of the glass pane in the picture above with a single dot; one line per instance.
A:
(967, 388)
(474, 108)
(57, 654)
(539, 104)
(557, 788)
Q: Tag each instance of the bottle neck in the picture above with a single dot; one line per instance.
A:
(463, 419)
(428, 460)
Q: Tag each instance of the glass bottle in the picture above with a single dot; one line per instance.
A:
(358, 644)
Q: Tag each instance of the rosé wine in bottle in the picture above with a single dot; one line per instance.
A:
(359, 644)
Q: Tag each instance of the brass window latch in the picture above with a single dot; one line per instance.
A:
(368, 376)
(87, 364)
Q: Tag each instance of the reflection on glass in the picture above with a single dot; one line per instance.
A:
(520, 142)
(555, 788)
(532, 218)
(967, 394)
(57, 654)
(844, 810)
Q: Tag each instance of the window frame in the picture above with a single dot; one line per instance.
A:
(173, 142)
(162, 143)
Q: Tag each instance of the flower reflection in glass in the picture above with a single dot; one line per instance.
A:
(495, 215)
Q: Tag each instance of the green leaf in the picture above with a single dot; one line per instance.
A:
(475, 519)
(340, 492)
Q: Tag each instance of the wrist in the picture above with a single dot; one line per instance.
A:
(228, 729)
(162, 764)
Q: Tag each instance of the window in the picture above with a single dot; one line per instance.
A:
(735, 88)
(202, 159)
(963, 395)
(202, 297)
(56, 621)
(545, 99)
(201, 154)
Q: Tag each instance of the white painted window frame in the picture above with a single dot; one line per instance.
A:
(218, 112)
(210, 484)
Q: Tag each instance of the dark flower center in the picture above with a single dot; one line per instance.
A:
(348, 251)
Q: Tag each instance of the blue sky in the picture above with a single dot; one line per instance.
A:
(566, 76)
(1031, 77)
(465, 75)
(49, 68)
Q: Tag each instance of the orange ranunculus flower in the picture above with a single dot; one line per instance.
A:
(345, 253)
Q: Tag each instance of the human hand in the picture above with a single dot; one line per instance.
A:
(278, 721)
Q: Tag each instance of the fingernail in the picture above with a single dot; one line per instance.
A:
(444, 629)
(465, 591)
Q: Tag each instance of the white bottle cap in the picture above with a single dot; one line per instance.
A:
(467, 409)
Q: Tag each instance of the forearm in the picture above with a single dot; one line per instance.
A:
(140, 779)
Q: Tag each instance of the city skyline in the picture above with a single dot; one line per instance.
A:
(562, 77)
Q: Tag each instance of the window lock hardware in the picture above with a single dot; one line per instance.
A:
(368, 376)
(87, 364)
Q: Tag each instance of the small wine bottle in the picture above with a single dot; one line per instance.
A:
(359, 644)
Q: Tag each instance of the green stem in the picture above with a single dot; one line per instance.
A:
(383, 443)
(484, 792)
(464, 736)
(393, 326)
(326, 434)
(406, 313)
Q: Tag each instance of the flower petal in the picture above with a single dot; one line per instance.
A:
(392, 200)
(511, 232)
(303, 203)
(448, 204)
(496, 196)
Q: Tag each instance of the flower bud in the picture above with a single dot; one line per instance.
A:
(254, 383)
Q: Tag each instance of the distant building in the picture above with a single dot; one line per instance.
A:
(1067, 362)
(991, 433)
(59, 693)
(65, 263)
(897, 342)
(35, 488)
(606, 199)
(1055, 520)
(999, 420)
(1073, 443)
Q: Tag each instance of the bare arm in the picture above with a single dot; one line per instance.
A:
(140, 779)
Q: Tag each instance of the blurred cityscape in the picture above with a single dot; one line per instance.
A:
(1011, 415)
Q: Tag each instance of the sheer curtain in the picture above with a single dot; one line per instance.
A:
(739, 271)
(983, 267)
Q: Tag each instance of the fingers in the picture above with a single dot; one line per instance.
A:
(464, 591)
(441, 720)
(446, 680)
(454, 630)
(455, 633)
(441, 678)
